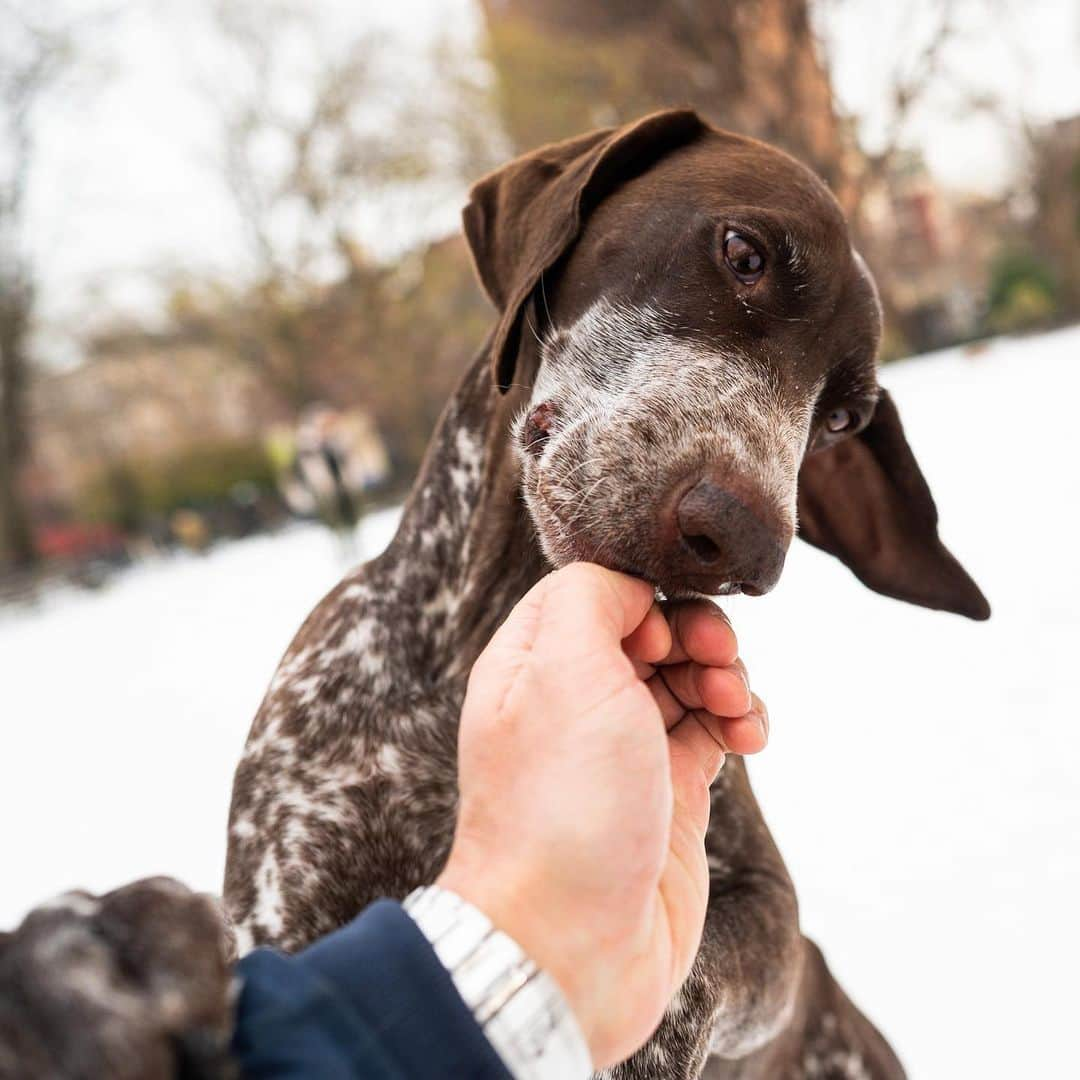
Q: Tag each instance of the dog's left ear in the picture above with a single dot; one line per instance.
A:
(522, 218)
(865, 501)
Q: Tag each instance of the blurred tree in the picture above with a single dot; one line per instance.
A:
(16, 536)
(1055, 190)
(314, 130)
(917, 69)
(753, 66)
(564, 66)
(34, 55)
(403, 366)
(1023, 291)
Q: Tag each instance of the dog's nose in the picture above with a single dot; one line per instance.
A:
(721, 536)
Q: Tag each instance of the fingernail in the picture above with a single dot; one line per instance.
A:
(763, 727)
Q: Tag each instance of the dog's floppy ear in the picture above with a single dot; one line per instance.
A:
(865, 501)
(523, 217)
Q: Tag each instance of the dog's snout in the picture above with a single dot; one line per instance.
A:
(720, 536)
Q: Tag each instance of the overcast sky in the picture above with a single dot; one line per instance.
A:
(126, 177)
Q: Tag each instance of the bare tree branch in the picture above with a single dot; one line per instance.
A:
(306, 144)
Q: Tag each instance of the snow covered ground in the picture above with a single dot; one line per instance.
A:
(922, 777)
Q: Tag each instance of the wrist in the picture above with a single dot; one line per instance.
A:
(542, 934)
(519, 1007)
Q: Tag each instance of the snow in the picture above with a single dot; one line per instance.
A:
(920, 780)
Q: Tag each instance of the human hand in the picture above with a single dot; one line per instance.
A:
(594, 723)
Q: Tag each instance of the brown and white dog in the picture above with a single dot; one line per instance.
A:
(682, 374)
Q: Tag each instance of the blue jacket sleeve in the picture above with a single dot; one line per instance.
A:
(369, 1002)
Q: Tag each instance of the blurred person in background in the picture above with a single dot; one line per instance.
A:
(326, 465)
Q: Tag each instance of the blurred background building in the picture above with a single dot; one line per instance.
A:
(314, 258)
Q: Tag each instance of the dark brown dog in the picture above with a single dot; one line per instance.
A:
(132, 985)
(684, 352)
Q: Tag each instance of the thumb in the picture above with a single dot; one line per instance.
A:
(580, 603)
(586, 607)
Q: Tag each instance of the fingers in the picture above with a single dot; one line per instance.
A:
(651, 642)
(701, 632)
(735, 717)
(702, 675)
(696, 759)
(723, 691)
(672, 710)
(747, 734)
(699, 743)
(581, 616)
(697, 735)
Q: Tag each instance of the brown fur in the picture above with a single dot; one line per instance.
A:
(130, 985)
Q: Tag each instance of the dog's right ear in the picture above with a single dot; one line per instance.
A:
(522, 218)
(866, 501)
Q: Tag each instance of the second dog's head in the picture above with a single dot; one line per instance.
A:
(698, 337)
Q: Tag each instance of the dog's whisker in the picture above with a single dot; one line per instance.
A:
(547, 310)
(528, 322)
(583, 502)
(771, 314)
(596, 460)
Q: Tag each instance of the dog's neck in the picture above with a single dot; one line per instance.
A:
(465, 551)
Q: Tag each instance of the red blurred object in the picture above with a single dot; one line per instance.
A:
(78, 540)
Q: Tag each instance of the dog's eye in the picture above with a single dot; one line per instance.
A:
(742, 257)
(840, 420)
(835, 427)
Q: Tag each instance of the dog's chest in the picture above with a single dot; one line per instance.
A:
(347, 788)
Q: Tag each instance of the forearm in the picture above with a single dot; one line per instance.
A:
(371, 1000)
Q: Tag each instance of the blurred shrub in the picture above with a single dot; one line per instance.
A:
(434, 318)
(894, 345)
(1022, 292)
(393, 340)
(132, 494)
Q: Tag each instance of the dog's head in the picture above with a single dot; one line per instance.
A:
(698, 337)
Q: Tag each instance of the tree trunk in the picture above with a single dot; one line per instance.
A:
(752, 66)
(16, 536)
